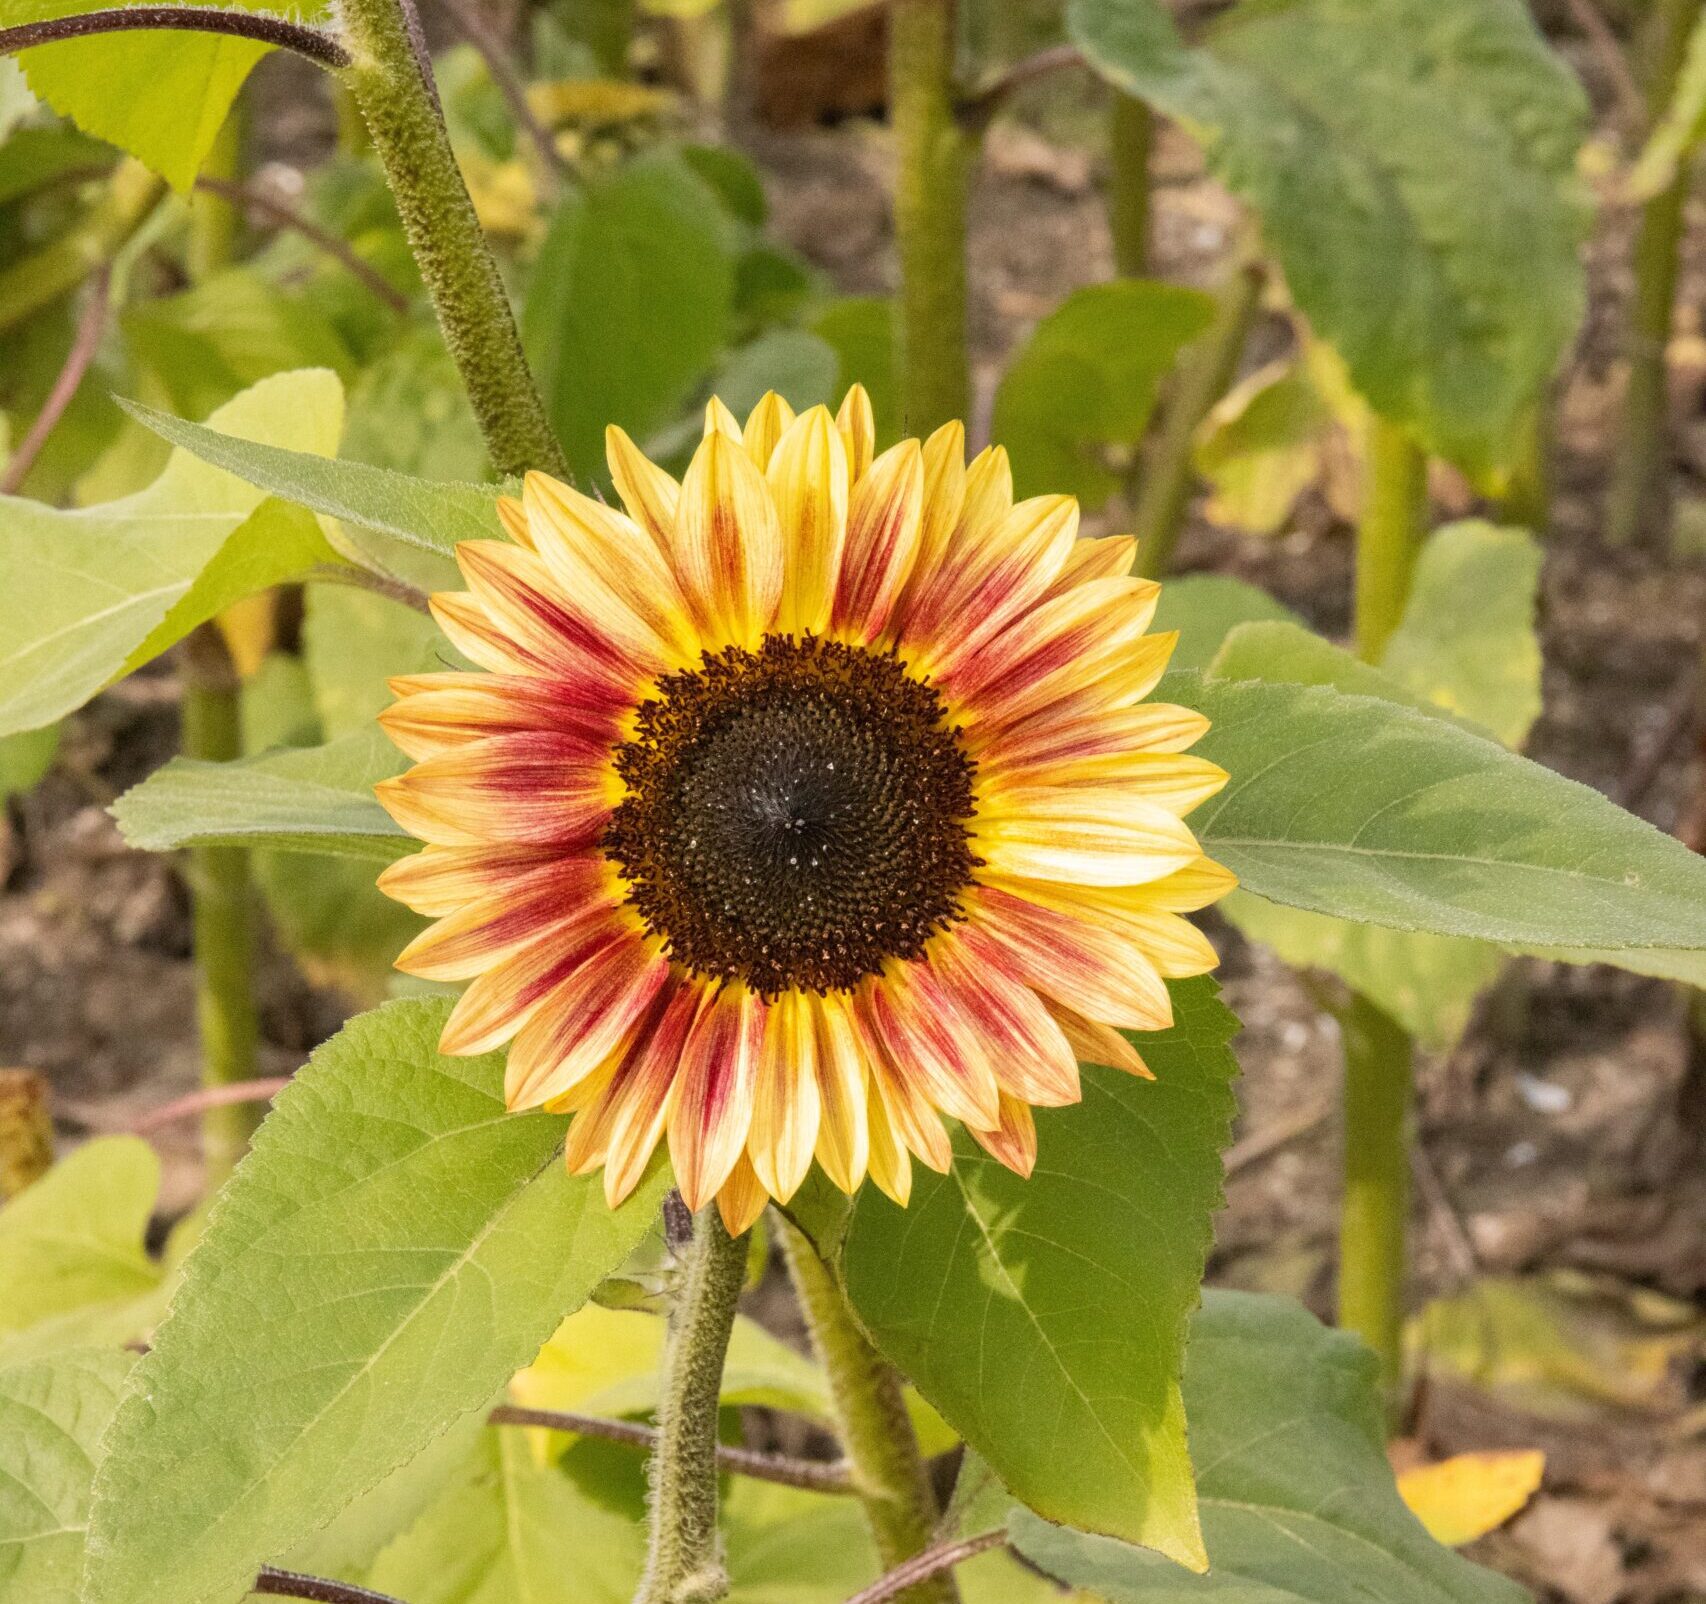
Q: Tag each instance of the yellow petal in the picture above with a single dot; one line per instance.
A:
(809, 483)
(890, 1163)
(742, 1198)
(765, 425)
(711, 1107)
(883, 523)
(729, 545)
(843, 1136)
(1098, 838)
(858, 429)
(719, 420)
(1469, 1495)
(650, 495)
(785, 1105)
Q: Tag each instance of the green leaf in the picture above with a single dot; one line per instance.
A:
(89, 586)
(629, 303)
(1298, 1501)
(353, 642)
(1086, 380)
(296, 799)
(1467, 642)
(52, 1414)
(800, 366)
(31, 158)
(861, 328)
(1262, 447)
(72, 1255)
(25, 758)
(391, 1249)
(1205, 608)
(421, 513)
(161, 96)
(1045, 1318)
(1404, 156)
(1359, 808)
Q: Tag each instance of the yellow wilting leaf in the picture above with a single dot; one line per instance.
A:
(250, 628)
(1469, 1495)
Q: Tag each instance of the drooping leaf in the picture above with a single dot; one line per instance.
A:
(1467, 641)
(1261, 447)
(1412, 165)
(1087, 379)
(89, 586)
(629, 303)
(1359, 808)
(392, 1248)
(162, 96)
(1206, 608)
(296, 799)
(1469, 1495)
(1298, 1502)
(53, 1411)
(1045, 1318)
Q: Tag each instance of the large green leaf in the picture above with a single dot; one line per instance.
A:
(1298, 1502)
(392, 1248)
(1356, 807)
(161, 96)
(1412, 164)
(1045, 1318)
(301, 799)
(89, 586)
(1206, 608)
(629, 302)
(52, 1414)
(1086, 381)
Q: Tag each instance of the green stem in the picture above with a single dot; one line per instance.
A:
(1389, 536)
(1203, 375)
(1527, 501)
(391, 80)
(684, 1563)
(1131, 134)
(932, 158)
(1638, 473)
(876, 1432)
(214, 218)
(222, 913)
(1379, 1069)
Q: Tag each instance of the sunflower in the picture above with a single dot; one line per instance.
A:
(806, 801)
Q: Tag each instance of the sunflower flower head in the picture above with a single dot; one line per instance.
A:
(798, 805)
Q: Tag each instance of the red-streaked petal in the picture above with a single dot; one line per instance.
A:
(587, 1020)
(440, 880)
(1109, 677)
(1042, 743)
(741, 1198)
(528, 789)
(1030, 1054)
(928, 1042)
(858, 428)
(765, 426)
(843, 1135)
(613, 570)
(1096, 1043)
(728, 550)
(1090, 969)
(651, 495)
(883, 523)
(1172, 943)
(468, 942)
(809, 482)
(890, 1163)
(712, 1107)
(1014, 1141)
(642, 1097)
(552, 630)
(1109, 557)
(438, 712)
(913, 1118)
(1171, 781)
(470, 629)
(786, 1106)
(1090, 837)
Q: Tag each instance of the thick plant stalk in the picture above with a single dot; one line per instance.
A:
(1379, 1055)
(1637, 475)
(1131, 136)
(876, 1433)
(391, 80)
(1379, 1070)
(1204, 373)
(931, 158)
(222, 915)
(684, 1562)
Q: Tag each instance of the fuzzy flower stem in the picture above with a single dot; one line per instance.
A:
(391, 80)
(931, 152)
(889, 1474)
(684, 1563)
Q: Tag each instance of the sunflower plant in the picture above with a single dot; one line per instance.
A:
(804, 830)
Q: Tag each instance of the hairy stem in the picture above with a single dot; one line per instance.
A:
(684, 1563)
(1389, 535)
(391, 80)
(888, 1471)
(1202, 377)
(1638, 473)
(1379, 1066)
(222, 915)
(931, 157)
(1131, 134)
(314, 43)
